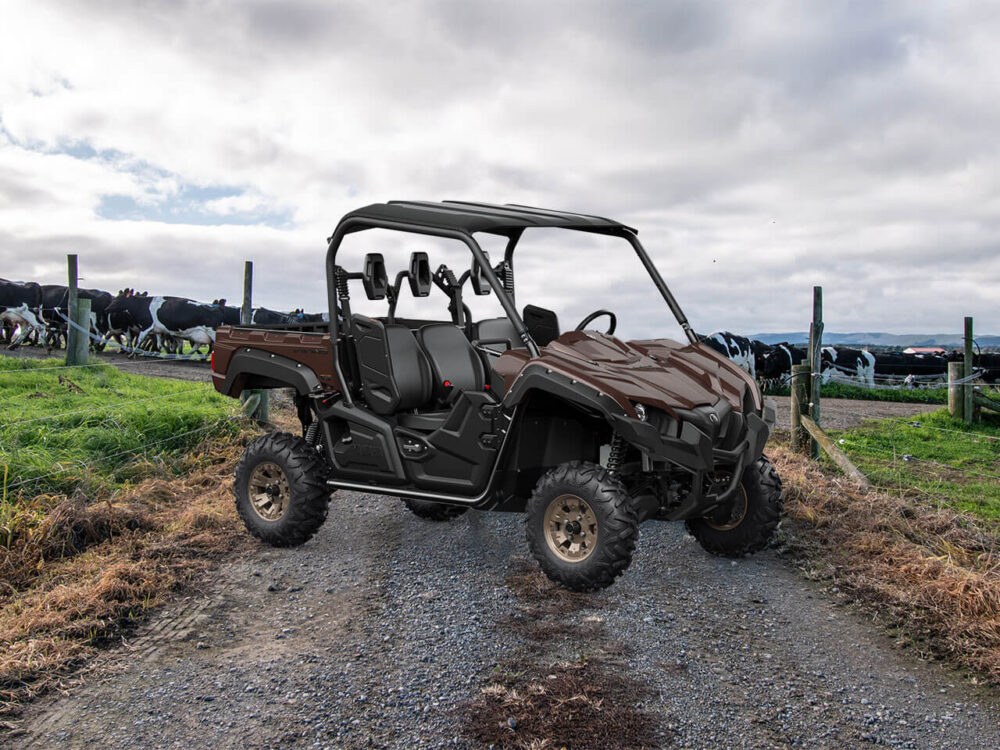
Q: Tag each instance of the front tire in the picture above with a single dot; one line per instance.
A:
(280, 489)
(750, 523)
(581, 526)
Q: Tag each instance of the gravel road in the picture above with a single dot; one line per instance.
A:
(842, 413)
(154, 367)
(377, 631)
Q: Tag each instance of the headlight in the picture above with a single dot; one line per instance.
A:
(640, 411)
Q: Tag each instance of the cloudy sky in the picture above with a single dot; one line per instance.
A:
(759, 147)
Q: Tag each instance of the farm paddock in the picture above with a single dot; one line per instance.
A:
(379, 599)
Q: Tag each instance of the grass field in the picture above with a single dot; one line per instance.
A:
(842, 390)
(938, 457)
(116, 490)
(97, 428)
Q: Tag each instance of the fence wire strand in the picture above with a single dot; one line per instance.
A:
(135, 450)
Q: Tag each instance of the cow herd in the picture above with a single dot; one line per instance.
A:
(773, 363)
(37, 314)
(140, 322)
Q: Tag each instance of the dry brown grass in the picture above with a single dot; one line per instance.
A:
(932, 573)
(89, 570)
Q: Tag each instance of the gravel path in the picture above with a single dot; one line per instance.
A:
(152, 366)
(373, 633)
(842, 413)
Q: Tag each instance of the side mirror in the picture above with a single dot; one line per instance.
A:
(374, 277)
(480, 286)
(420, 274)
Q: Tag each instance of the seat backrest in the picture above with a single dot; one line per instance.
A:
(542, 324)
(492, 332)
(452, 360)
(395, 375)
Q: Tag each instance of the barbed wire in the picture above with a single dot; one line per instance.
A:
(105, 408)
(908, 458)
(979, 435)
(22, 370)
(135, 450)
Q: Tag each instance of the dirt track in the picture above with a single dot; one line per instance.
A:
(372, 635)
(379, 632)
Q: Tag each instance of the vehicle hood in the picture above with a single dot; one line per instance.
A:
(657, 372)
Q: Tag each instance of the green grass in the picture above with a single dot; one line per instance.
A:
(949, 462)
(842, 390)
(97, 428)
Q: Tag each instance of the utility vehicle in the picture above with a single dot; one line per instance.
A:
(585, 434)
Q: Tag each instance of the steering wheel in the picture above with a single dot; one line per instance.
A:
(596, 314)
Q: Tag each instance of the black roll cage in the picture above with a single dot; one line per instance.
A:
(354, 223)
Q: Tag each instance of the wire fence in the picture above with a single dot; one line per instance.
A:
(28, 441)
(942, 462)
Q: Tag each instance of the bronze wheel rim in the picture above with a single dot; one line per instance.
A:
(737, 512)
(570, 528)
(268, 490)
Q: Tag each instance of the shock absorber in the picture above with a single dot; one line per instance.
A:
(616, 457)
(311, 432)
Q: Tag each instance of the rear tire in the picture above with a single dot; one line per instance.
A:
(581, 526)
(432, 511)
(750, 526)
(280, 489)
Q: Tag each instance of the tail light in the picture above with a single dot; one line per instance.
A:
(212, 361)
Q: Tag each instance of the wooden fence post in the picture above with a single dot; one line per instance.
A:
(261, 413)
(800, 401)
(71, 333)
(967, 387)
(80, 314)
(956, 394)
(815, 362)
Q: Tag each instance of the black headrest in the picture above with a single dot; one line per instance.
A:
(420, 274)
(374, 277)
(542, 324)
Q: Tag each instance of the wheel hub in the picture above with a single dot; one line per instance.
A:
(728, 518)
(570, 528)
(268, 491)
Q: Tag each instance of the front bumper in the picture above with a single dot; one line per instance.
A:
(714, 444)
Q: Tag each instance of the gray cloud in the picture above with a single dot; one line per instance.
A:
(759, 148)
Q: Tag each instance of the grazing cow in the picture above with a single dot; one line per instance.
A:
(264, 317)
(777, 365)
(920, 368)
(55, 311)
(19, 305)
(173, 317)
(739, 349)
(843, 364)
(989, 364)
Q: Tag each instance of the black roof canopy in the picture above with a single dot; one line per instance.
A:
(481, 217)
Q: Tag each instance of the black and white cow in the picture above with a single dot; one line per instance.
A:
(19, 305)
(169, 317)
(777, 365)
(739, 349)
(846, 365)
(55, 312)
(921, 368)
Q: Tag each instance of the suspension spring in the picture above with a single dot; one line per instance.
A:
(342, 291)
(617, 455)
(311, 432)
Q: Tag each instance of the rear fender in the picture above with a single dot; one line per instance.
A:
(255, 368)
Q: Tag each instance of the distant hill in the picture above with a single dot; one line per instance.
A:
(901, 340)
